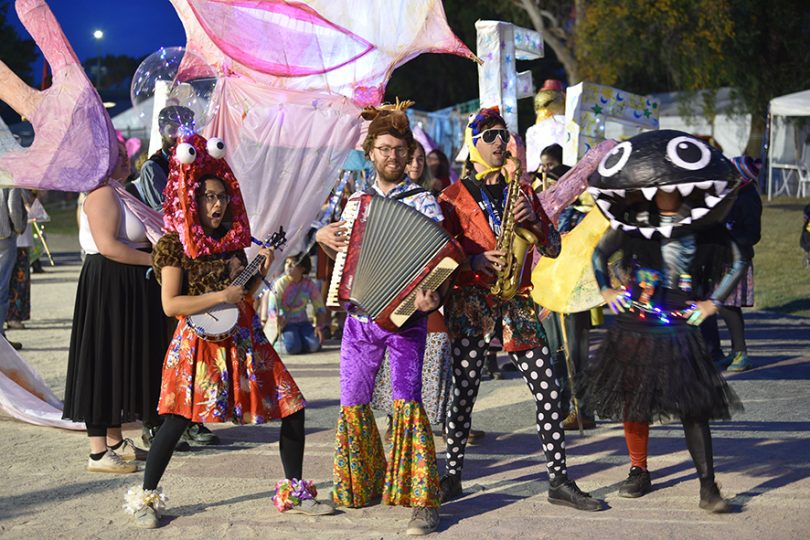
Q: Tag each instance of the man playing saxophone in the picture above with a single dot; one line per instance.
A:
(491, 293)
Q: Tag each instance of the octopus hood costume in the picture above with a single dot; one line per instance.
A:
(653, 363)
(629, 176)
(193, 160)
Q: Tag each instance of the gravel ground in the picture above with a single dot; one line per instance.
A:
(762, 458)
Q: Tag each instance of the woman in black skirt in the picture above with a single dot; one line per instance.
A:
(665, 194)
(118, 329)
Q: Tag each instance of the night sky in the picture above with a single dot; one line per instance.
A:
(134, 27)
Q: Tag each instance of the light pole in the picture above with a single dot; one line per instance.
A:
(98, 34)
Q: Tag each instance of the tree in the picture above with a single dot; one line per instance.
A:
(556, 21)
(17, 53)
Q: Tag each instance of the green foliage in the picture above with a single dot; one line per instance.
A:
(17, 52)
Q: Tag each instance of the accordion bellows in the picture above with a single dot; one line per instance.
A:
(393, 251)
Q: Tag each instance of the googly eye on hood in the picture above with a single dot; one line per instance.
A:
(632, 174)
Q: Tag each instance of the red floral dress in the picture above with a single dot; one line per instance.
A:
(240, 378)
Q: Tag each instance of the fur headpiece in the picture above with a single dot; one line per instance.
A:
(389, 119)
(193, 159)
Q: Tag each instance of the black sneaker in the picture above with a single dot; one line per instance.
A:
(567, 493)
(711, 500)
(199, 434)
(637, 484)
(450, 487)
(149, 434)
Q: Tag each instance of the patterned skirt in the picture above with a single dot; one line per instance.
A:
(239, 379)
(743, 293)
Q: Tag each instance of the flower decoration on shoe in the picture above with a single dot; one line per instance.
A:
(290, 493)
(137, 498)
(180, 212)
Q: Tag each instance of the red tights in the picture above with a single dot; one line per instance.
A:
(637, 434)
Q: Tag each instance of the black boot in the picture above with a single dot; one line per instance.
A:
(148, 436)
(199, 434)
(711, 499)
(637, 484)
(450, 487)
(565, 492)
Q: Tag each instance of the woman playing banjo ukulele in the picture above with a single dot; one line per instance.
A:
(238, 377)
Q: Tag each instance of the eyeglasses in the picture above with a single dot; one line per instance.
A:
(401, 151)
(489, 135)
(212, 198)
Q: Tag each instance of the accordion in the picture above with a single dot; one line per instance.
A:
(393, 251)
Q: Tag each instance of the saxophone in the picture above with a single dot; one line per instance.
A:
(514, 241)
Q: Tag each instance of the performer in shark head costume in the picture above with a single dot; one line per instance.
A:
(665, 194)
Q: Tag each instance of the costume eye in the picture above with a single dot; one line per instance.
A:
(688, 153)
(215, 148)
(185, 153)
(616, 159)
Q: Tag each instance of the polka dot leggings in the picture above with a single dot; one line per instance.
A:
(535, 366)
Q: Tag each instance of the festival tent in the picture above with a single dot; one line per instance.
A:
(789, 148)
(685, 111)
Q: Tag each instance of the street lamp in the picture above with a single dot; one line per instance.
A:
(98, 34)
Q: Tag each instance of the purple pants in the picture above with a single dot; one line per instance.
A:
(362, 351)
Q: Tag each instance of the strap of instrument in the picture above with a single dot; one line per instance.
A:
(409, 193)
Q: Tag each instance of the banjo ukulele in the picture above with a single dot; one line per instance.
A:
(218, 322)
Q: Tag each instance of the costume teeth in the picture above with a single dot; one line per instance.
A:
(685, 189)
(614, 224)
(616, 192)
(711, 201)
(704, 185)
(668, 188)
(698, 213)
(649, 192)
(604, 205)
(647, 231)
(595, 192)
(629, 228)
(720, 186)
(666, 230)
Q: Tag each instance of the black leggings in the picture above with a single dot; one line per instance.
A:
(291, 447)
(699, 443)
(535, 366)
(733, 317)
(99, 431)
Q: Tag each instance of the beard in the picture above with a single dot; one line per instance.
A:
(391, 176)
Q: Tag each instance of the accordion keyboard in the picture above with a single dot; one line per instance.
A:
(350, 213)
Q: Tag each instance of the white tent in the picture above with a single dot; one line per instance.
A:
(685, 111)
(789, 148)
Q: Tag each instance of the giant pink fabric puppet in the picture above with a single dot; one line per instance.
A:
(292, 78)
(346, 48)
(74, 146)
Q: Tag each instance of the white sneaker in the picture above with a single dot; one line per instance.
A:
(111, 463)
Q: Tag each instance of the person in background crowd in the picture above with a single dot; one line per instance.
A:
(19, 304)
(439, 167)
(294, 291)
(744, 222)
(112, 375)
(13, 220)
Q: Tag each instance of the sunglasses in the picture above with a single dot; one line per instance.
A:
(489, 135)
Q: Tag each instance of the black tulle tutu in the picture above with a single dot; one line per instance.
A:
(646, 372)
